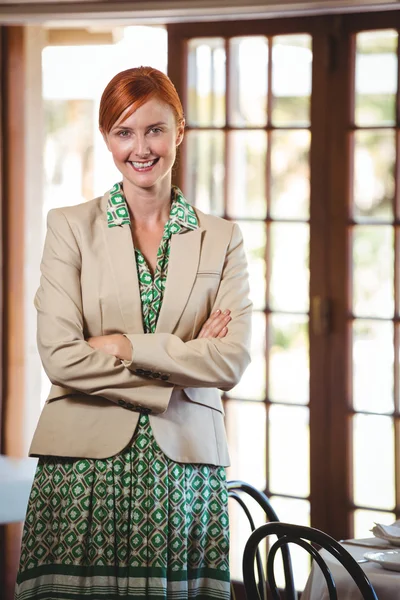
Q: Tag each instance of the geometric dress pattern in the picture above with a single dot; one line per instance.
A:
(135, 525)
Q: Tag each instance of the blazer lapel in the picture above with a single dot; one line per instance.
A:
(119, 245)
(182, 269)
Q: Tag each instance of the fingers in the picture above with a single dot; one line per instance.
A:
(216, 325)
(204, 329)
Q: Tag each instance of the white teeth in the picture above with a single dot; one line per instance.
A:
(141, 165)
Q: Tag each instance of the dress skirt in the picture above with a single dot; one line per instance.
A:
(136, 525)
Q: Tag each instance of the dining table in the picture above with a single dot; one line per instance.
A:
(386, 583)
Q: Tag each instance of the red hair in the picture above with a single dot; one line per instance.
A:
(134, 87)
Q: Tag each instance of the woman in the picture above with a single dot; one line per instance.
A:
(137, 290)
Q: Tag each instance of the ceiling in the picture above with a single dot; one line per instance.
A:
(157, 11)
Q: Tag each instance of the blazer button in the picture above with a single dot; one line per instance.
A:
(156, 375)
(139, 371)
(145, 411)
(164, 376)
(147, 373)
(122, 403)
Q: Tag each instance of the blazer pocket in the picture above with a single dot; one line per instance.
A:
(208, 274)
(209, 397)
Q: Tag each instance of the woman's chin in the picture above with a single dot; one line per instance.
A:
(147, 180)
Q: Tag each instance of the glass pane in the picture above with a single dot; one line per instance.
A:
(252, 386)
(289, 267)
(240, 531)
(376, 77)
(289, 450)
(247, 157)
(292, 510)
(68, 162)
(291, 79)
(289, 353)
(373, 271)
(255, 239)
(205, 170)
(364, 520)
(248, 81)
(373, 364)
(206, 82)
(298, 512)
(373, 470)
(374, 184)
(290, 174)
(246, 430)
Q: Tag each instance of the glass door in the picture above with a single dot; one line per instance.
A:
(247, 159)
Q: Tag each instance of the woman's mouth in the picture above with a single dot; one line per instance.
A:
(144, 166)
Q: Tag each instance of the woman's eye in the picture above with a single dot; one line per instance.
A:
(155, 130)
(123, 133)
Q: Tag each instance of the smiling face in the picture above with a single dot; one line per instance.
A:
(144, 144)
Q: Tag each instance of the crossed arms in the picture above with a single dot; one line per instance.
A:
(69, 360)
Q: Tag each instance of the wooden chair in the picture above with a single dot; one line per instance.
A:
(241, 491)
(304, 537)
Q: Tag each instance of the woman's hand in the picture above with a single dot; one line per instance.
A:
(115, 344)
(216, 325)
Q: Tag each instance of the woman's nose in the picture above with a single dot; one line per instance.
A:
(141, 148)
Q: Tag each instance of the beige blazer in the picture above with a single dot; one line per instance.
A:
(89, 287)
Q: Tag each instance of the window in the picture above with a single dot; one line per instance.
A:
(293, 133)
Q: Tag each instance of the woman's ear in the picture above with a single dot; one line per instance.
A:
(181, 132)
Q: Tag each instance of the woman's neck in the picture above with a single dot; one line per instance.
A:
(148, 207)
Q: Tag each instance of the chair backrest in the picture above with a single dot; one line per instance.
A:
(304, 537)
(240, 491)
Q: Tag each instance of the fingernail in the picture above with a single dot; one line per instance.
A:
(227, 311)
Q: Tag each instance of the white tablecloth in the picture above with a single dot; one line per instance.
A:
(16, 476)
(386, 583)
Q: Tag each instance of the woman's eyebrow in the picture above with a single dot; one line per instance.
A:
(146, 127)
(122, 127)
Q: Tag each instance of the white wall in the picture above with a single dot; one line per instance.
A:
(34, 42)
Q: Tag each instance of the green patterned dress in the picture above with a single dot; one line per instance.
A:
(136, 525)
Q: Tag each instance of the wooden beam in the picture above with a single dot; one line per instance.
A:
(79, 36)
(14, 228)
(12, 208)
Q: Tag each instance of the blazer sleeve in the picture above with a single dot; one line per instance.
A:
(67, 358)
(205, 362)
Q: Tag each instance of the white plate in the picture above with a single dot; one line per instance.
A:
(388, 559)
